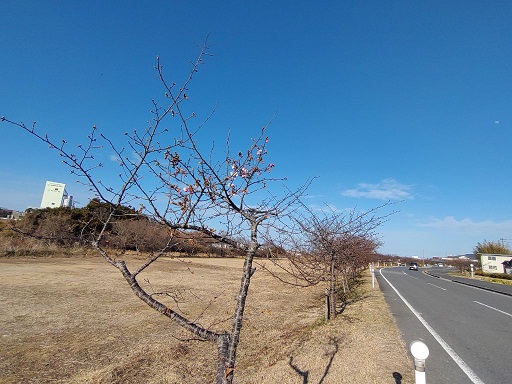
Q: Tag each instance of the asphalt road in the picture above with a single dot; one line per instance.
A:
(444, 273)
(468, 330)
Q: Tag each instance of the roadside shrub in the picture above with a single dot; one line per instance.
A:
(494, 275)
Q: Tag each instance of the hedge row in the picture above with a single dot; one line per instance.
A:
(494, 275)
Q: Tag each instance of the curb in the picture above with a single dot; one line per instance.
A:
(468, 284)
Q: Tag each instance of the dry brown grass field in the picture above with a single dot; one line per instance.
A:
(75, 320)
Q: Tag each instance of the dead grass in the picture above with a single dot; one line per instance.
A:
(74, 320)
(489, 279)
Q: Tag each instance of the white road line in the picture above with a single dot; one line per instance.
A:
(465, 368)
(436, 277)
(496, 309)
(437, 286)
(407, 274)
(478, 288)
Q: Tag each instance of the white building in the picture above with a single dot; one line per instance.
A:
(54, 195)
(494, 262)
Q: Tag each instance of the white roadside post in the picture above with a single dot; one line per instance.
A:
(420, 352)
(472, 270)
(372, 270)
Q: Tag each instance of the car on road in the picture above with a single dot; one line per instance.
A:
(413, 266)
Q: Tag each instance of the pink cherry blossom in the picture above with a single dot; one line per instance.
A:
(244, 172)
(188, 189)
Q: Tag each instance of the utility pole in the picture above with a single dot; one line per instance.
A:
(503, 241)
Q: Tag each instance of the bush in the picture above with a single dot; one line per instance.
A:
(494, 275)
(50, 231)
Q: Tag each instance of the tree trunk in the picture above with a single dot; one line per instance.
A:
(332, 293)
(240, 305)
(327, 305)
(222, 346)
(332, 303)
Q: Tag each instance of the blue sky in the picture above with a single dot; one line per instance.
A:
(404, 101)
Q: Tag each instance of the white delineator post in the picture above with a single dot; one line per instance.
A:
(420, 352)
(472, 270)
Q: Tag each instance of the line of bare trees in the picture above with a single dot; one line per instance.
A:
(185, 186)
(329, 248)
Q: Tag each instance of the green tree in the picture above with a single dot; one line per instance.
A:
(492, 247)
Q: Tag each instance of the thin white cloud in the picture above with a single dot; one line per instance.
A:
(387, 189)
(451, 223)
(326, 208)
(115, 158)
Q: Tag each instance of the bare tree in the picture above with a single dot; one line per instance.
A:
(328, 247)
(139, 235)
(183, 185)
